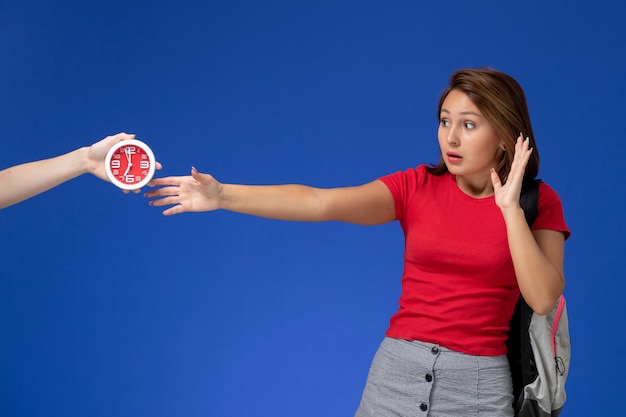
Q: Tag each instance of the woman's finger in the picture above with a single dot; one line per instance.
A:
(495, 180)
(165, 201)
(174, 210)
(163, 192)
(155, 182)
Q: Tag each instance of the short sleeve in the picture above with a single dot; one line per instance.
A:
(550, 211)
(403, 185)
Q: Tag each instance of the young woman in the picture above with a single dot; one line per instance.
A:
(24, 181)
(469, 251)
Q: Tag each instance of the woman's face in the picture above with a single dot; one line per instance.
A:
(469, 144)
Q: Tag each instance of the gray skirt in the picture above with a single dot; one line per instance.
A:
(412, 378)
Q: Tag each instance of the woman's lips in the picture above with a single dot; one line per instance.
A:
(453, 158)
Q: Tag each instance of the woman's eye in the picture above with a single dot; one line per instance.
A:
(445, 123)
(469, 125)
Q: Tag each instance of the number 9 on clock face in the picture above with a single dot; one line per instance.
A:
(130, 164)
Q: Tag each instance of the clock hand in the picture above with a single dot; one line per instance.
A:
(130, 161)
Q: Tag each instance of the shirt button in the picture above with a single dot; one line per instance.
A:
(423, 407)
(434, 350)
(428, 377)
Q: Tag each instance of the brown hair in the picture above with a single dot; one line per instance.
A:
(502, 102)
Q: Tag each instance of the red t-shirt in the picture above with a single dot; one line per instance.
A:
(458, 286)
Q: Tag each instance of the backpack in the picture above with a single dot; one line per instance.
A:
(538, 346)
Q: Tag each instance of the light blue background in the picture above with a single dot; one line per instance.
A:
(107, 308)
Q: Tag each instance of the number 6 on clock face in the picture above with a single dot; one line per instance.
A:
(130, 164)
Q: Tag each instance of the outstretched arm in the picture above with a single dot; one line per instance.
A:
(538, 255)
(367, 204)
(24, 181)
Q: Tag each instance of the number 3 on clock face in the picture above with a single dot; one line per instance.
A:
(130, 164)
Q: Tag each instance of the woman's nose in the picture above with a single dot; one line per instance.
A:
(452, 137)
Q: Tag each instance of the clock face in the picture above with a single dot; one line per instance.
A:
(130, 164)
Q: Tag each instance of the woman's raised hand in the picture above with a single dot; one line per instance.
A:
(507, 196)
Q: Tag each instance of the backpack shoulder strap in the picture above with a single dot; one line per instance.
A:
(518, 344)
(529, 199)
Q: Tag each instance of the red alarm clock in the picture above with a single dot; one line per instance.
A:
(130, 164)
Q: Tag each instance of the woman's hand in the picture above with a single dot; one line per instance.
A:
(97, 152)
(507, 196)
(195, 193)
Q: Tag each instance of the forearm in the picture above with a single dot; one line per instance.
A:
(367, 204)
(282, 202)
(23, 181)
(539, 276)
